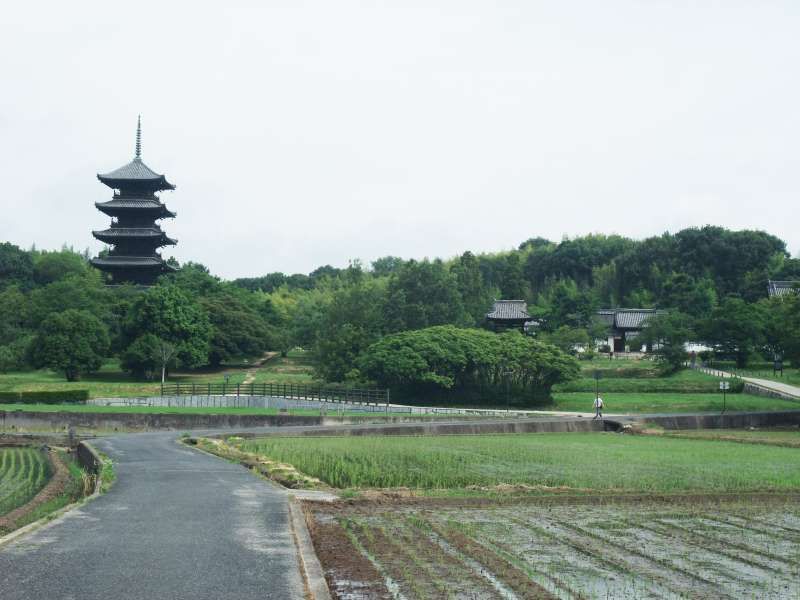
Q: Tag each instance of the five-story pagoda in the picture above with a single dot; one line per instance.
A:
(134, 235)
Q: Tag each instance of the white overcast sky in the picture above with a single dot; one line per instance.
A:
(305, 133)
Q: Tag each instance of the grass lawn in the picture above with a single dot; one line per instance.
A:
(620, 403)
(583, 462)
(789, 436)
(295, 368)
(684, 381)
(111, 382)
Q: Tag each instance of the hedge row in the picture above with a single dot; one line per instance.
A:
(44, 397)
(660, 385)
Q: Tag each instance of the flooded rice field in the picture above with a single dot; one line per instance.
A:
(714, 550)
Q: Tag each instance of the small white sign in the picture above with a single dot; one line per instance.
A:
(724, 385)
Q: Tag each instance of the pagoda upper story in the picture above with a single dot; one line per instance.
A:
(133, 234)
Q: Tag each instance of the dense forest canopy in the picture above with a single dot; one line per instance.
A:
(714, 277)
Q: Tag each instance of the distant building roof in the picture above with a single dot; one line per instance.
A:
(782, 288)
(627, 318)
(512, 310)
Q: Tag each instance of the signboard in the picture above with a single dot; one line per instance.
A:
(724, 385)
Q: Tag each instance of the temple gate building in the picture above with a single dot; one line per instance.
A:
(134, 236)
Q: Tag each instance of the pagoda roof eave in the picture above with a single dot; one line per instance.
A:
(135, 172)
(113, 207)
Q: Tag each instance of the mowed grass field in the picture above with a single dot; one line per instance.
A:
(23, 472)
(583, 462)
(112, 382)
(629, 402)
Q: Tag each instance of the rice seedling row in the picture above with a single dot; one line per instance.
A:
(609, 551)
(23, 472)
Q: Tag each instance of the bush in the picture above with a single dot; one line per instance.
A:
(44, 397)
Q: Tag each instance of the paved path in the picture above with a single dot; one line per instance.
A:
(783, 388)
(177, 524)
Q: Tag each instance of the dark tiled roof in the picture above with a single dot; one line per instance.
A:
(135, 170)
(782, 288)
(134, 203)
(132, 232)
(509, 309)
(110, 263)
(128, 261)
(627, 318)
(606, 316)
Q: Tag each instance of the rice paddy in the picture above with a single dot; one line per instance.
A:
(607, 551)
(583, 462)
(23, 472)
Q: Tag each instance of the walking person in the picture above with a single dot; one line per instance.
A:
(598, 408)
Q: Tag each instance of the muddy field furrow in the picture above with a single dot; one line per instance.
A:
(579, 551)
(592, 571)
(716, 539)
(512, 576)
(459, 574)
(647, 554)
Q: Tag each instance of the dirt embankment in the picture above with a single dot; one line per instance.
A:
(57, 485)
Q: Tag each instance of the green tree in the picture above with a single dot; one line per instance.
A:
(667, 334)
(735, 328)
(475, 296)
(238, 328)
(467, 360)
(688, 295)
(73, 342)
(147, 355)
(351, 322)
(567, 338)
(171, 315)
(422, 294)
(16, 266)
(55, 266)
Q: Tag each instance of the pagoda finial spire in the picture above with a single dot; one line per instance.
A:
(139, 137)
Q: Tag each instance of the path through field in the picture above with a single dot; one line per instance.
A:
(176, 524)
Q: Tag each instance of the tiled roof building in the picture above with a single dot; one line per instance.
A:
(509, 314)
(625, 324)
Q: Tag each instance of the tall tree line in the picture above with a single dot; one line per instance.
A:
(717, 278)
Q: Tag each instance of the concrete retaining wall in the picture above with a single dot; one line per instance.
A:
(20, 420)
(465, 428)
(757, 390)
(726, 421)
(88, 458)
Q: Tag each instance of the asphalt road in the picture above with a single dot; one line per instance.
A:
(177, 524)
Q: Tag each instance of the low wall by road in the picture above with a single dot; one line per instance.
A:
(88, 458)
(21, 420)
(293, 403)
(560, 425)
(726, 421)
(760, 390)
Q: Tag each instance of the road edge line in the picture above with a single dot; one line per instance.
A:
(313, 574)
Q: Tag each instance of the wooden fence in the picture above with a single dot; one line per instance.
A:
(278, 390)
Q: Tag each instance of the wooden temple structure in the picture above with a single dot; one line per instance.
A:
(134, 235)
(625, 325)
(510, 314)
